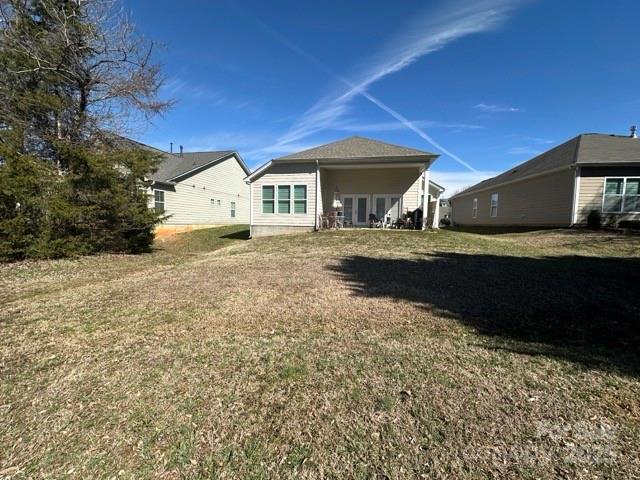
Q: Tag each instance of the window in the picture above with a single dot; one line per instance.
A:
(475, 208)
(213, 202)
(268, 199)
(494, 205)
(632, 195)
(233, 209)
(621, 195)
(158, 197)
(284, 199)
(218, 202)
(300, 199)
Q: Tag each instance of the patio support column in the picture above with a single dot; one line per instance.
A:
(318, 207)
(436, 212)
(425, 197)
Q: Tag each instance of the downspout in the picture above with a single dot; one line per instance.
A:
(576, 197)
(315, 220)
(425, 202)
(250, 209)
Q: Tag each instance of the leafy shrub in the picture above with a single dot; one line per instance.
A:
(630, 224)
(594, 220)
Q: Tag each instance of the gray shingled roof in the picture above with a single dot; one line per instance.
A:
(599, 148)
(585, 149)
(173, 166)
(356, 147)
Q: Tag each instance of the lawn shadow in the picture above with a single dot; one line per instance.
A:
(240, 235)
(582, 309)
(482, 230)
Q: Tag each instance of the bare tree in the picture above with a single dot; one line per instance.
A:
(72, 69)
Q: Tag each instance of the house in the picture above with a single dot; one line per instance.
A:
(200, 189)
(357, 176)
(559, 188)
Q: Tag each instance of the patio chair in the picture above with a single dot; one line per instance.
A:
(374, 221)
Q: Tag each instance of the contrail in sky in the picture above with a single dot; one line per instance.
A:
(406, 49)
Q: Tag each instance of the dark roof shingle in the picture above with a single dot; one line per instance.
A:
(355, 147)
(173, 166)
(585, 149)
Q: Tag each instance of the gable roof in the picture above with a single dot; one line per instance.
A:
(175, 166)
(600, 148)
(585, 149)
(356, 147)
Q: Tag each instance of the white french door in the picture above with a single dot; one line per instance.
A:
(356, 209)
(387, 206)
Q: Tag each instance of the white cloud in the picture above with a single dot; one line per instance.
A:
(354, 126)
(456, 181)
(496, 108)
(531, 151)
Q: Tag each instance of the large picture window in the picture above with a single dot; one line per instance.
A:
(268, 199)
(284, 199)
(621, 195)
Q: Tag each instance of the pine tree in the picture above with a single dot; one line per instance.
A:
(73, 73)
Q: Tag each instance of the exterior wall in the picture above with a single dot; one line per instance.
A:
(591, 190)
(285, 174)
(269, 230)
(546, 200)
(187, 204)
(402, 181)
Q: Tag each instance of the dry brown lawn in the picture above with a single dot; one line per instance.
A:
(362, 354)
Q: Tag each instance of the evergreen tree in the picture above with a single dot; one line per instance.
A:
(72, 72)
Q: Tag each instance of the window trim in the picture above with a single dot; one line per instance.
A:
(622, 195)
(474, 208)
(491, 204)
(292, 199)
(272, 199)
(156, 202)
(305, 199)
(232, 209)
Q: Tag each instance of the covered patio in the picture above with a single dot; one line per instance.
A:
(379, 196)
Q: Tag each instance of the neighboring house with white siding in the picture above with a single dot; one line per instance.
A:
(200, 189)
(560, 187)
(354, 177)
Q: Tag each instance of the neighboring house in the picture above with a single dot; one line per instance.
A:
(199, 190)
(560, 187)
(357, 176)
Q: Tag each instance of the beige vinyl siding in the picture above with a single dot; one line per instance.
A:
(544, 200)
(286, 174)
(591, 192)
(401, 181)
(190, 203)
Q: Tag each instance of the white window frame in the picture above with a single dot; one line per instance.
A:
(474, 208)
(305, 199)
(274, 199)
(233, 209)
(491, 207)
(156, 202)
(623, 194)
(292, 199)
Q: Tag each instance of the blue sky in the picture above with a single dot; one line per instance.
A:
(486, 83)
